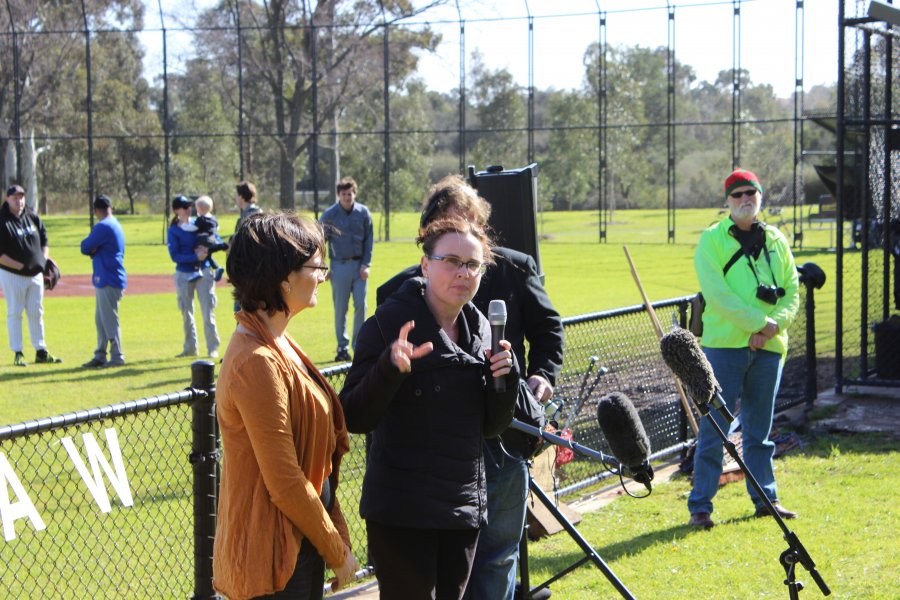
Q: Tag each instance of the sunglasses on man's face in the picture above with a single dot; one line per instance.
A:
(749, 193)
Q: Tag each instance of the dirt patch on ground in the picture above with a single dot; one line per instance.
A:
(860, 410)
(80, 285)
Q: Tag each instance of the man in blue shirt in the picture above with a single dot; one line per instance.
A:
(106, 247)
(348, 229)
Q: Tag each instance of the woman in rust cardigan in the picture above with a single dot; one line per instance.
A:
(282, 426)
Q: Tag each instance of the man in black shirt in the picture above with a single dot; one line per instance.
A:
(23, 255)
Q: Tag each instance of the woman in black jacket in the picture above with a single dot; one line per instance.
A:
(422, 382)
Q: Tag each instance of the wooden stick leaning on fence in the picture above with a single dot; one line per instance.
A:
(659, 333)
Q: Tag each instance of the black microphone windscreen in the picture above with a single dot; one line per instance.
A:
(682, 353)
(623, 429)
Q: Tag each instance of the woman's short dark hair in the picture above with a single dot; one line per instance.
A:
(264, 251)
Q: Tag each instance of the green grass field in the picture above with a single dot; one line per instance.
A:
(582, 276)
(848, 521)
(840, 485)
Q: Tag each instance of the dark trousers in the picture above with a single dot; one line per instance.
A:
(308, 580)
(421, 564)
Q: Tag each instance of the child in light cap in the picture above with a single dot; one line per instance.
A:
(207, 228)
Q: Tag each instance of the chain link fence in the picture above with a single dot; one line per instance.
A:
(154, 103)
(120, 501)
(868, 174)
(100, 504)
(618, 351)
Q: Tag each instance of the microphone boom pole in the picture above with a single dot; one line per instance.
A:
(557, 440)
(659, 333)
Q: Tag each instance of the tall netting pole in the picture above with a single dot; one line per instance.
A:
(736, 86)
(89, 102)
(798, 191)
(670, 125)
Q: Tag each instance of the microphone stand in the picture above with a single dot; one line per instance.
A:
(590, 553)
(795, 553)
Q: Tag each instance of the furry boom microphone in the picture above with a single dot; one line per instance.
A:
(625, 434)
(682, 353)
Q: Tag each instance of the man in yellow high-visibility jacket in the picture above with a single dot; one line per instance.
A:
(749, 280)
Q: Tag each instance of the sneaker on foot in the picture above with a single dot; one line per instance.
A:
(187, 353)
(219, 272)
(214, 354)
(93, 363)
(701, 520)
(19, 360)
(343, 355)
(113, 363)
(42, 356)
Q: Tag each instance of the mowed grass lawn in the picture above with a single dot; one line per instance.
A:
(842, 486)
(582, 276)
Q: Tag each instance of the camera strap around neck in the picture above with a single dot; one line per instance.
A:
(753, 268)
(736, 257)
(744, 251)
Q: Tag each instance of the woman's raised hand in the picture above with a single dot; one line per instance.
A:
(502, 362)
(403, 352)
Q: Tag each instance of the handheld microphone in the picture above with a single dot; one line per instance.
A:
(497, 319)
(682, 353)
(625, 434)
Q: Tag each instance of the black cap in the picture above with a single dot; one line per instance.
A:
(102, 202)
(182, 202)
(15, 189)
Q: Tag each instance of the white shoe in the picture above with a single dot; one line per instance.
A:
(214, 354)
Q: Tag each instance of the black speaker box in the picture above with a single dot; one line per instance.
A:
(513, 198)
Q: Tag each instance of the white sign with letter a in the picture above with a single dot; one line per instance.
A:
(11, 511)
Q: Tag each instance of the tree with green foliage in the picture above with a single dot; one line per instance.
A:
(499, 111)
(411, 149)
(205, 155)
(45, 59)
(281, 39)
(569, 162)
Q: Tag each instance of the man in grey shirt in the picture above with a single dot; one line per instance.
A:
(348, 229)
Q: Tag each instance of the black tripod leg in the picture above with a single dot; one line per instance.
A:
(525, 582)
(589, 551)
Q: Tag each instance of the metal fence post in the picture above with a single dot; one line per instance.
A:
(684, 427)
(204, 458)
(813, 278)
